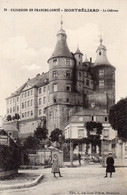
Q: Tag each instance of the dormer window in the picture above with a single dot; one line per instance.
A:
(100, 53)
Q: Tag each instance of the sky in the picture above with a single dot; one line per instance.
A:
(28, 38)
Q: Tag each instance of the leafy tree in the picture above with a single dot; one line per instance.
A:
(31, 143)
(9, 118)
(55, 135)
(41, 133)
(118, 118)
(17, 117)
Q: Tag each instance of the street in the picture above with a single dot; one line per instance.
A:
(88, 179)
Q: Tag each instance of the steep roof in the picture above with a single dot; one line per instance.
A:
(101, 55)
(8, 127)
(38, 81)
(61, 48)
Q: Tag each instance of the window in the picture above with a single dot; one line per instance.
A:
(13, 100)
(17, 99)
(22, 95)
(25, 114)
(39, 111)
(68, 73)
(87, 82)
(31, 92)
(54, 99)
(10, 101)
(67, 62)
(101, 72)
(28, 103)
(25, 104)
(44, 89)
(100, 53)
(55, 61)
(44, 100)
(106, 118)
(55, 74)
(22, 104)
(39, 101)
(31, 112)
(7, 111)
(80, 133)
(39, 91)
(28, 93)
(10, 110)
(44, 111)
(13, 109)
(68, 88)
(25, 94)
(22, 115)
(31, 102)
(67, 100)
(28, 113)
(55, 87)
(101, 83)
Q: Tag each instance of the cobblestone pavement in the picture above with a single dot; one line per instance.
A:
(87, 180)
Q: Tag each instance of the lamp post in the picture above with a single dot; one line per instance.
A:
(71, 152)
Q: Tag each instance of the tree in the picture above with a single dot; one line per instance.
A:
(17, 117)
(118, 118)
(31, 143)
(55, 135)
(41, 133)
(9, 118)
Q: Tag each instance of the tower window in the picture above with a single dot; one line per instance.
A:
(55, 74)
(68, 88)
(106, 118)
(101, 83)
(67, 100)
(101, 72)
(55, 61)
(54, 99)
(87, 82)
(68, 74)
(55, 87)
(100, 53)
(67, 62)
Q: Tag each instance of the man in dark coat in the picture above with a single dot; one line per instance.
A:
(79, 158)
(110, 165)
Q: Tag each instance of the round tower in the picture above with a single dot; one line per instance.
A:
(104, 76)
(62, 97)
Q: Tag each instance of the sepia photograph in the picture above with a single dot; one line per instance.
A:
(63, 97)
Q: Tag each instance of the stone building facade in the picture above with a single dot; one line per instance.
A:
(70, 85)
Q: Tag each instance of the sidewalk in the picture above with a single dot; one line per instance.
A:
(22, 180)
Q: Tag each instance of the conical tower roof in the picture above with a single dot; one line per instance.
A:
(61, 48)
(78, 51)
(101, 55)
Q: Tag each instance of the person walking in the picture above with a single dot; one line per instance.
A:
(79, 158)
(110, 165)
(55, 166)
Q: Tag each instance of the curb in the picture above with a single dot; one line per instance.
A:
(26, 185)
